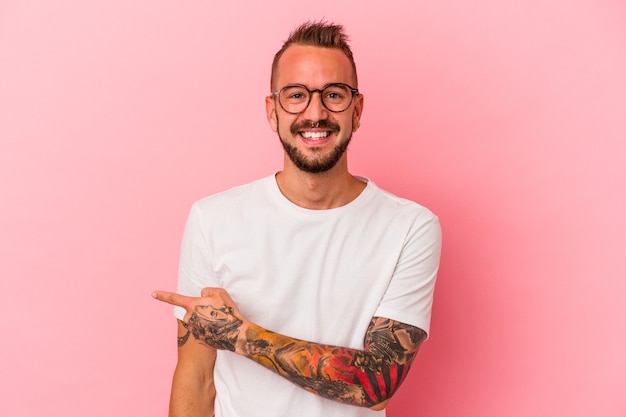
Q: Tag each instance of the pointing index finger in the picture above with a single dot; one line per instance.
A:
(171, 298)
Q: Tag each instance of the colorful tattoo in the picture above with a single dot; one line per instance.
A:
(359, 377)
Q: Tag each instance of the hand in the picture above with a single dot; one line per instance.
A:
(213, 318)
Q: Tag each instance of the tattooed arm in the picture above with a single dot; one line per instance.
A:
(193, 392)
(366, 378)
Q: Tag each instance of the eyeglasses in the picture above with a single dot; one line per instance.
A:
(295, 98)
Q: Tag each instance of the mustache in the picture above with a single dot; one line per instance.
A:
(308, 124)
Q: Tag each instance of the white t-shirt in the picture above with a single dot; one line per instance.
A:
(316, 275)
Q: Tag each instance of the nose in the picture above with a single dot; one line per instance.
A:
(316, 109)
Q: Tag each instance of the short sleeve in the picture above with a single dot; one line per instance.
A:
(409, 296)
(194, 270)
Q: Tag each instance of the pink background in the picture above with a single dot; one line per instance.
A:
(505, 118)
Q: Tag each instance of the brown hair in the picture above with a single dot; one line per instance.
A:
(322, 34)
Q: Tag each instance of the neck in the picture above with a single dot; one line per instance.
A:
(326, 190)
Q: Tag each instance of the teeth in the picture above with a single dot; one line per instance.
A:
(315, 135)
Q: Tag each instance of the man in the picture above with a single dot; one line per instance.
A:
(308, 292)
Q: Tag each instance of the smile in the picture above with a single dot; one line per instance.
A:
(315, 135)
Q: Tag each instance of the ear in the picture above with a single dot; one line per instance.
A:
(270, 109)
(358, 111)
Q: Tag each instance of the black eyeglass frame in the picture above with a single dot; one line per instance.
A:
(353, 90)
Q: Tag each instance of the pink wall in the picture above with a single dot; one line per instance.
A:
(506, 118)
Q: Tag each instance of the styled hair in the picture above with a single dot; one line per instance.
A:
(321, 34)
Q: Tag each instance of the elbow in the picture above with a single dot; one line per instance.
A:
(381, 405)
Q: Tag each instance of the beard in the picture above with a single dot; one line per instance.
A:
(318, 163)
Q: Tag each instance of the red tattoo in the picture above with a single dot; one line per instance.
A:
(359, 377)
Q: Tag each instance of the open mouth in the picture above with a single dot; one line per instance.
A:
(315, 135)
(315, 132)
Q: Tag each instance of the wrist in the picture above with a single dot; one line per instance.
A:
(249, 343)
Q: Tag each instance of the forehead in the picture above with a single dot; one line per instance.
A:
(313, 66)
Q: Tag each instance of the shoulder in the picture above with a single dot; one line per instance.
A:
(237, 196)
(401, 208)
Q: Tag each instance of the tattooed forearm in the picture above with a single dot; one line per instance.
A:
(183, 339)
(365, 377)
(359, 377)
